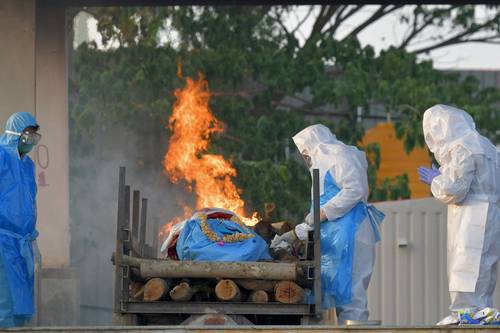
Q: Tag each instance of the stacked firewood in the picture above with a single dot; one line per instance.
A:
(281, 280)
(223, 290)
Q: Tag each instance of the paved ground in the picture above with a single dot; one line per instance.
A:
(256, 329)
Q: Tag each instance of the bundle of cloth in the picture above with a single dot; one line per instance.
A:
(214, 234)
(486, 316)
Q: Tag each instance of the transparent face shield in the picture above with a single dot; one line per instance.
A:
(30, 138)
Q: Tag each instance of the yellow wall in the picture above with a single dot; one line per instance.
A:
(393, 159)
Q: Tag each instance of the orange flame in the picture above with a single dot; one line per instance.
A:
(209, 175)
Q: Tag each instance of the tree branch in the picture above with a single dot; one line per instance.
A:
(379, 13)
(303, 20)
(339, 19)
(462, 37)
(282, 25)
(417, 30)
(325, 15)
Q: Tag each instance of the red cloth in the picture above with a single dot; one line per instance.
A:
(219, 215)
(171, 251)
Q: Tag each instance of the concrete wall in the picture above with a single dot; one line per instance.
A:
(17, 57)
(52, 153)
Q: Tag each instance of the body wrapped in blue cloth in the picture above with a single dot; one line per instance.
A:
(219, 235)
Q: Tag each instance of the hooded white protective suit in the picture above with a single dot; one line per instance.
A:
(470, 184)
(348, 167)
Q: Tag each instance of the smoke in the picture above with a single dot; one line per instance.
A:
(94, 166)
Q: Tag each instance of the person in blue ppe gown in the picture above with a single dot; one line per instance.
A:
(468, 181)
(349, 226)
(17, 219)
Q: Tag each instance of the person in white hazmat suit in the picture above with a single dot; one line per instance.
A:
(468, 181)
(349, 227)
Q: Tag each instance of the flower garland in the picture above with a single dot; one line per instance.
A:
(237, 237)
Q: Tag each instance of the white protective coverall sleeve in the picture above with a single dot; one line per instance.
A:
(452, 186)
(348, 178)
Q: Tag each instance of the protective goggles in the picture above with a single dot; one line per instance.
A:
(27, 137)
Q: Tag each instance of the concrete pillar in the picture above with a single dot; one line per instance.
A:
(17, 58)
(33, 79)
(51, 156)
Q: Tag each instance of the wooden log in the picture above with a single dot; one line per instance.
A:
(254, 285)
(150, 268)
(137, 291)
(288, 292)
(258, 296)
(155, 289)
(227, 290)
(264, 230)
(283, 255)
(184, 292)
(135, 275)
(281, 227)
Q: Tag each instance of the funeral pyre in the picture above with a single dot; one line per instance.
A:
(219, 254)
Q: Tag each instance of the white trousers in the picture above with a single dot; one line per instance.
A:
(364, 259)
(487, 279)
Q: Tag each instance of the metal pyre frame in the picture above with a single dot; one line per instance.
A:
(131, 241)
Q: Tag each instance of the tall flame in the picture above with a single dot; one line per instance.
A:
(208, 175)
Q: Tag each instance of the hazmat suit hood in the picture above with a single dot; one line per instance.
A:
(325, 149)
(446, 127)
(16, 123)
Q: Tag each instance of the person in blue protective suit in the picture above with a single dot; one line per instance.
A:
(349, 227)
(17, 219)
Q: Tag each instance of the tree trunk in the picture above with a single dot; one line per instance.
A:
(258, 296)
(204, 269)
(288, 292)
(155, 289)
(227, 290)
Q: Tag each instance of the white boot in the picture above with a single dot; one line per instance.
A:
(452, 319)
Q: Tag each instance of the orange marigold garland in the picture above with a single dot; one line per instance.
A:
(237, 237)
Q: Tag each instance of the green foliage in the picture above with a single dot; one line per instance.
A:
(251, 63)
(391, 189)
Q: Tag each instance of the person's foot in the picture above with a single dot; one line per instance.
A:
(452, 319)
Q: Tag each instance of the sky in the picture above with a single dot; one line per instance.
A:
(387, 31)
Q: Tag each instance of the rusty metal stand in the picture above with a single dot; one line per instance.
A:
(131, 240)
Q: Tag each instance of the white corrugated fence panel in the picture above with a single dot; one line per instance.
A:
(409, 285)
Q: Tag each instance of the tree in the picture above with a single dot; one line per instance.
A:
(253, 61)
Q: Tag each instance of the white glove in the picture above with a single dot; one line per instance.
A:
(301, 230)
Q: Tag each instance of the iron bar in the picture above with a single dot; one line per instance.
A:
(119, 241)
(142, 228)
(317, 242)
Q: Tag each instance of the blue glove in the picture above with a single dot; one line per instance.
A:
(427, 175)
